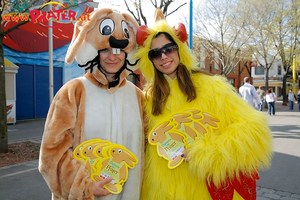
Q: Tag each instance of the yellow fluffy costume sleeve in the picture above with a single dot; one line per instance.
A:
(242, 143)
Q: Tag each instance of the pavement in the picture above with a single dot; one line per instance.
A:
(280, 181)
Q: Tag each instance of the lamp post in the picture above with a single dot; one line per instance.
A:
(294, 74)
(191, 26)
(50, 42)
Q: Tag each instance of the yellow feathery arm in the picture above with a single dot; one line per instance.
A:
(242, 143)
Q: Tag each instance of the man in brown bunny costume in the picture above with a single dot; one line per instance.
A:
(101, 104)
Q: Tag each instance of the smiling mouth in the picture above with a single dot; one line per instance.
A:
(166, 64)
(112, 63)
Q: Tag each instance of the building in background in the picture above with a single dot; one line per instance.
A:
(209, 61)
(27, 48)
(275, 77)
(10, 88)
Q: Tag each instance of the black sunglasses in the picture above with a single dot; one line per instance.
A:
(169, 48)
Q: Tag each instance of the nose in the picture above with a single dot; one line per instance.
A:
(163, 56)
(112, 56)
(115, 43)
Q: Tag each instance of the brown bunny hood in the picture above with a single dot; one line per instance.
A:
(106, 29)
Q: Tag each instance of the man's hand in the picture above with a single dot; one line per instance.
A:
(99, 189)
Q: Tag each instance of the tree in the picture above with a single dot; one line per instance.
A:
(226, 33)
(277, 33)
(286, 35)
(261, 43)
(21, 6)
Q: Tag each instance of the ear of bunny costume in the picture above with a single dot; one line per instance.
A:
(106, 29)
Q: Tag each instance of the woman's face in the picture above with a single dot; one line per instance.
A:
(168, 60)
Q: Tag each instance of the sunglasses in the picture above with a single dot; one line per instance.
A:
(168, 49)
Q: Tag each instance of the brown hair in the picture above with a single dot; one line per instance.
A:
(160, 89)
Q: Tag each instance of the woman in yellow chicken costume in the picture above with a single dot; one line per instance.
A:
(222, 163)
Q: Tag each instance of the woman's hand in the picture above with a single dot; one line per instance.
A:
(184, 155)
(99, 189)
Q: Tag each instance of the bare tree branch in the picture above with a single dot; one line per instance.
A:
(175, 10)
(222, 28)
(139, 14)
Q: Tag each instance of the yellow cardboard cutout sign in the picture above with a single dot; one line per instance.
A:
(115, 163)
(176, 133)
(104, 159)
(170, 143)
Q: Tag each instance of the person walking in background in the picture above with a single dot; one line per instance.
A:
(261, 94)
(249, 94)
(270, 99)
(298, 98)
(291, 97)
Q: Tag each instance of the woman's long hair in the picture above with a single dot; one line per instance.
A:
(160, 89)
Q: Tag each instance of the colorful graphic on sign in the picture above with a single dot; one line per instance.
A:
(11, 111)
(36, 16)
(32, 37)
(9, 108)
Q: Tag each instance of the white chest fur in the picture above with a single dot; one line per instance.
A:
(111, 116)
(116, 117)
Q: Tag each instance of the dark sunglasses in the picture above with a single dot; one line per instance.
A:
(155, 54)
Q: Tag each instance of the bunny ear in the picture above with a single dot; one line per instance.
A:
(161, 126)
(159, 15)
(180, 31)
(164, 126)
(77, 40)
(167, 126)
(130, 159)
(79, 49)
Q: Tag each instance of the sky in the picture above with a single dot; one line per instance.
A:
(149, 13)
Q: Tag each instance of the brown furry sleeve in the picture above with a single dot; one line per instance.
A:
(65, 176)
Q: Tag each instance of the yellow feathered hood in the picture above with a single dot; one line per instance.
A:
(146, 66)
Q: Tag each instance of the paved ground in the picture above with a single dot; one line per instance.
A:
(26, 130)
(281, 181)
